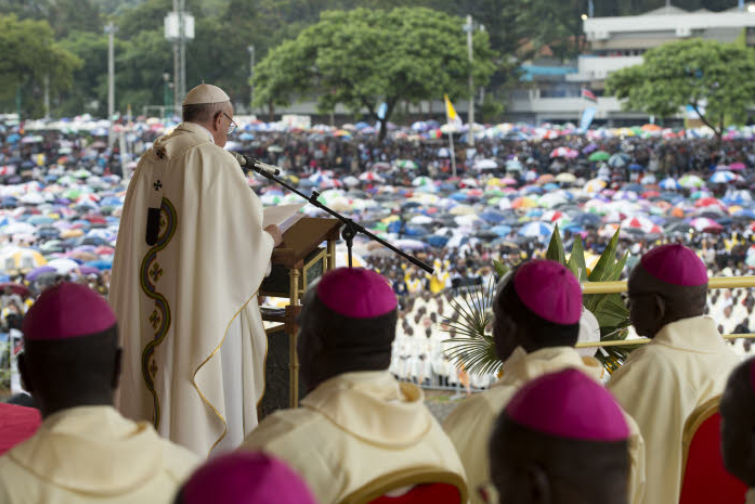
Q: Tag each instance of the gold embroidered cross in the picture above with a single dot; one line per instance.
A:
(156, 272)
(154, 319)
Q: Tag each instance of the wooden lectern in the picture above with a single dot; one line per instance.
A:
(296, 263)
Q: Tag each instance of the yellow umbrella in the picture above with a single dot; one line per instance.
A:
(71, 233)
(21, 259)
(462, 210)
(496, 182)
(595, 185)
(566, 177)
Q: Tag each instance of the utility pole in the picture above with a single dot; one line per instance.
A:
(179, 27)
(251, 78)
(176, 68)
(47, 96)
(182, 39)
(110, 30)
(468, 28)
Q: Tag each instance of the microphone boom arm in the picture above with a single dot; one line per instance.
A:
(351, 228)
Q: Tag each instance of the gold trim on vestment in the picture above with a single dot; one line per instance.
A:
(194, 376)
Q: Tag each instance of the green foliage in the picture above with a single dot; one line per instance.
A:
(29, 53)
(474, 347)
(362, 58)
(717, 80)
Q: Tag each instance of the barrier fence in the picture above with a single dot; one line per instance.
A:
(743, 282)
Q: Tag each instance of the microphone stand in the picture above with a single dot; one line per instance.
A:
(351, 228)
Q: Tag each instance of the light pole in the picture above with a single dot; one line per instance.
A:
(110, 30)
(468, 28)
(251, 78)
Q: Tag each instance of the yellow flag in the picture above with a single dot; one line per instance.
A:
(451, 116)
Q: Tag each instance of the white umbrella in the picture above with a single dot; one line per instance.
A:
(63, 266)
(485, 164)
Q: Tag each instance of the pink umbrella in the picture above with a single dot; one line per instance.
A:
(564, 152)
(737, 166)
(705, 225)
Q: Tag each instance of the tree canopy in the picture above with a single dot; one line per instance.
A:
(363, 58)
(716, 80)
(30, 55)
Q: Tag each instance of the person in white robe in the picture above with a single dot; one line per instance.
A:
(685, 365)
(190, 257)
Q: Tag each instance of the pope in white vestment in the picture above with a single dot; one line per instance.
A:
(190, 257)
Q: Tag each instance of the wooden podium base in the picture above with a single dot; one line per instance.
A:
(277, 382)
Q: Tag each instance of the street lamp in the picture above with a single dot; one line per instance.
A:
(751, 8)
(584, 17)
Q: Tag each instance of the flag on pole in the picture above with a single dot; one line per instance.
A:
(589, 96)
(451, 116)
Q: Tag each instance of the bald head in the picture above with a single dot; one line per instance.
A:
(738, 423)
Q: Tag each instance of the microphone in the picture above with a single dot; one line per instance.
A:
(250, 163)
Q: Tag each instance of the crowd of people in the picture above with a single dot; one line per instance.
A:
(154, 395)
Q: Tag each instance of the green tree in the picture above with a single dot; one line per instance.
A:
(716, 80)
(30, 55)
(362, 58)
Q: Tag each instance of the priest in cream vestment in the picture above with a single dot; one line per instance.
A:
(358, 423)
(84, 452)
(190, 257)
(685, 365)
(540, 316)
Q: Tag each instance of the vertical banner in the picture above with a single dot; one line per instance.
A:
(587, 117)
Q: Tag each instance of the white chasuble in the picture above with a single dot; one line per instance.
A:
(189, 292)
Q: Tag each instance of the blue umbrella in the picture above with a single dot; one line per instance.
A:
(535, 229)
(746, 213)
(493, 217)
(574, 228)
(100, 265)
(636, 167)
(246, 137)
(669, 184)
(437, 241)
(501, 230)
(459, 196)
(13, 138)
(551, 187)
(587, 219)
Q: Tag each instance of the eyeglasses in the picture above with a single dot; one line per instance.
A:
(231, 127)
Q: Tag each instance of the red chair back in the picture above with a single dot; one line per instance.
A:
(704, 478)
(413, 485)
(437, 493)
(17, 423)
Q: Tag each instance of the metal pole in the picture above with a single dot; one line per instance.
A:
(47, 96)
(251, 78)
(176, 69)
(470, 133)
(110, 80)
(182, 37)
